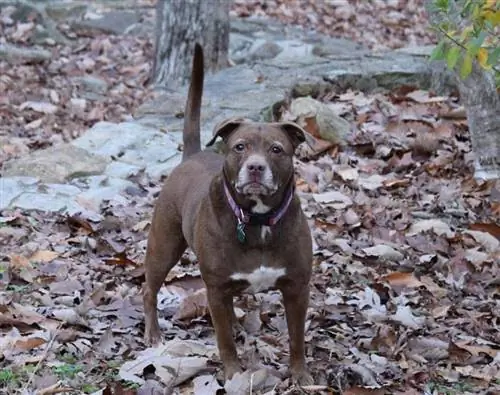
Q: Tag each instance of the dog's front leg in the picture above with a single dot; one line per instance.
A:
(296, 300)
(221, 311)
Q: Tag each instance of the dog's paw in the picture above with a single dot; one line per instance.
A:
(231, 370)
(302, 378)
(152, 336)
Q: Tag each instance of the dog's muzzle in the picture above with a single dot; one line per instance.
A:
(255, 177)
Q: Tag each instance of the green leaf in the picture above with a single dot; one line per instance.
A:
(452, 57)
(466, 9)
(441, 5)
(466, 68)
(494, 57)
(477, 42)
(438, 52)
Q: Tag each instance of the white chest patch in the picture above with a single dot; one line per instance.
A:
(264, 232)
(261, 279)
(259, 208)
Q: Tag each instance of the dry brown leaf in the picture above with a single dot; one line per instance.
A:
(478, 350)
(193, 306)
(491, 228)
(19, 262)
(400, 281)
(120, 259)
(29, 343)
(43, 256)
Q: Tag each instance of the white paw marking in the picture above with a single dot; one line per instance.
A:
(261, 279)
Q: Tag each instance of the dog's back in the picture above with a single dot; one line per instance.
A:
(193, 176)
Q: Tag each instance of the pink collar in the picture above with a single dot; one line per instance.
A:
(267, 219)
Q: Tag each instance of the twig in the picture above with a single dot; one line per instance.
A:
(44, 356)
(455, 41)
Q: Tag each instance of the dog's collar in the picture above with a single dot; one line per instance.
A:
(267, 219)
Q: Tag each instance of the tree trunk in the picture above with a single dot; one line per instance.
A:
(181, 23)
(479, 96)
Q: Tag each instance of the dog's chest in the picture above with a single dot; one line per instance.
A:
(260, 276)
(261, 279)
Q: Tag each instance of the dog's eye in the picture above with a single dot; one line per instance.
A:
(276, 149)
(239, 147)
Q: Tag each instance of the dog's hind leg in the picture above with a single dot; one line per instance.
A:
(166, 245)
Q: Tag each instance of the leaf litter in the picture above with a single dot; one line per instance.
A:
(405, 291)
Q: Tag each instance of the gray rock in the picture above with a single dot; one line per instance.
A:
(266, 50)
(294, 49)
(308, 88)
(64, 10)
(56, 164)
(15, 54)
(169, 104)
(91, 84)
(58, 189)
(47, 203)
(12, 187)
(417, 50)
(337, 47)
(239, 45)
(229, 82)
(160, 170)
(246, 26)
(101, 188)
(129, 142)
(121, 170)
(385, 70)
(114, 22)
(331, 127)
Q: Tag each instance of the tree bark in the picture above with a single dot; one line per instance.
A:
(181, 23)
(479, 96)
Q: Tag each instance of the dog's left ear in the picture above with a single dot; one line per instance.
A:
(294, 132)
(225, 128)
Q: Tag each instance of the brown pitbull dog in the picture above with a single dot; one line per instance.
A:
(240, 215)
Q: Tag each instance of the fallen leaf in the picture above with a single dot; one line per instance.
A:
(193, 306)
(42, 107)
(384, 252)
(400, 281)
(337, 199)
(437, 226)
(487, 241)
(171, 370)
(29, 343)
(44, 256)
(405, 316)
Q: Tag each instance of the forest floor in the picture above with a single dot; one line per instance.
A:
(405, 290)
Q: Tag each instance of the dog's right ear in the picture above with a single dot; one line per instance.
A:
(225, 128)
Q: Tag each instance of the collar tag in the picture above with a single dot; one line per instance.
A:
(240, 231)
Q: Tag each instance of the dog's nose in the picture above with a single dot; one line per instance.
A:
(256, 167)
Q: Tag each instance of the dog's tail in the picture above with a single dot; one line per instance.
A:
(191, 132)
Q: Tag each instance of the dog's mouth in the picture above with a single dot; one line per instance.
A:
(255, 188)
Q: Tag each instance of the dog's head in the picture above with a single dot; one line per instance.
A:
(259, 156)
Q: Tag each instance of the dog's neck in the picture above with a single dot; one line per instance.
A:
(259, 210)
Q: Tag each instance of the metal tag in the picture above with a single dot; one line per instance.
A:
(240, 232)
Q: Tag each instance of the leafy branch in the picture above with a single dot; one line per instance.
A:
(470, 32)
